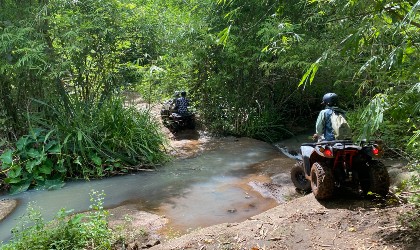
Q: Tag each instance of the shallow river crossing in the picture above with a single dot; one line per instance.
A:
(230, 181)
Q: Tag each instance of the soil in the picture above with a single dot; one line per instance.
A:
(305, 223)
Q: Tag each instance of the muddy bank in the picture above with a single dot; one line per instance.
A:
(305, 223)
(139, 229)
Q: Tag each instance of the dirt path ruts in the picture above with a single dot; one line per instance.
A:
(305, 223)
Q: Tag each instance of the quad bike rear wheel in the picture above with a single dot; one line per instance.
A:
(322, 181)
(174, 127)
(191, 123)
(298, 177)
(374, 178)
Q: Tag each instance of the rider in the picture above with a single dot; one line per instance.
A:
(323, 127)
(172, 102)
(182, 104)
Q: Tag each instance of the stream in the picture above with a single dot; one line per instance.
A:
(229, 181)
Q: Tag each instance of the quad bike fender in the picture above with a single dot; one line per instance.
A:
(307, 151)
(310, 155)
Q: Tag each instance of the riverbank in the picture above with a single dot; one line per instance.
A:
(305, 223)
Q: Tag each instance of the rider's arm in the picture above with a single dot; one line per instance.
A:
(320, 124)
(176, 104)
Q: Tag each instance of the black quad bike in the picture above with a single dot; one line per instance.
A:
(174, 121)
(334, 164)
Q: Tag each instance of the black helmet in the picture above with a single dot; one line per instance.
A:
(183, 93)
(330, 99)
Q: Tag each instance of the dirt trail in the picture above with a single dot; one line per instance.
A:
(305, 223)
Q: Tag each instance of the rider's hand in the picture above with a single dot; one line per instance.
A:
(315, 136)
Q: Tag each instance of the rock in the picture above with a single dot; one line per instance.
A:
(151, 243)
(6, 207)
(133, 246)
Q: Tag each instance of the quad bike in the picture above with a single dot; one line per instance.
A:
(175, 121)
(332, 164)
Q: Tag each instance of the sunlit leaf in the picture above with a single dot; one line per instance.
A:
(6, 158)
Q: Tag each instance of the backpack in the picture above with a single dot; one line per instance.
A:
(341, 127)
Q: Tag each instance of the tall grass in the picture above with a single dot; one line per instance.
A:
(86, 141)
(109, 137)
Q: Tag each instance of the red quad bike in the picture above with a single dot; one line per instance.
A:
(332, 164)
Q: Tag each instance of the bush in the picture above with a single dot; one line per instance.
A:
(37, 159)
(109, 138)
(92, 141)
(412, 218)
(395, 133)
(80, 231)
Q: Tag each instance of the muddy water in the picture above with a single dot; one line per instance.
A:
(227, 182)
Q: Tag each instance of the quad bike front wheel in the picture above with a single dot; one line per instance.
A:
(298, 177)
(322, 181)
(374, 178)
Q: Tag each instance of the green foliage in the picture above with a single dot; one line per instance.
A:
(23, 63)
(63, 65)
(245, 119)
(106, 139)
(392, 118)
(66, 231)
(5, 128)
(240, 86)
(93, 143)
(93, 43)
(37, 160)
(69, 51)
(412, 218)
(178, 30)
(240, 61)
